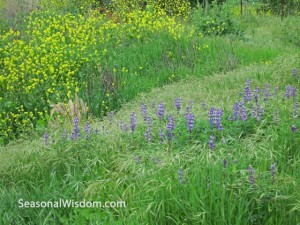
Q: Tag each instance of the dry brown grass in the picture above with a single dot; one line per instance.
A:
(13, 7)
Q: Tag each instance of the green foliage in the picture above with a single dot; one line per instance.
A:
(215, 20)
(291, 30)
(280, 7)
(174, 182)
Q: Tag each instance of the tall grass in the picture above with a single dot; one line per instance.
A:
(146, 175)
(163, 150)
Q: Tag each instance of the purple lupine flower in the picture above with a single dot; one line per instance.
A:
(295, 73)
(243, 112)
(161, 111)
(144, 111)
(181, 176)
(148, 130)
(190, 121)
(162, 135)
(293, 92)
(287, 93)
(257, 112)
(236, 111)
(211, 142)
(275, 118)
(252, 175)
(123, 126)
(87, 128)
(111, 117)
(170, 127)
(76, 127)
(267, 92)
(293, 128)
(177, 103)
(214, 117)
(73, 136)
(46, 138)
(295, 110)
(273, 170)
(247, 91)
(132, 122)
(148, 135)
(225, 163)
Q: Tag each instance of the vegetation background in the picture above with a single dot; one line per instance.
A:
(199, 98)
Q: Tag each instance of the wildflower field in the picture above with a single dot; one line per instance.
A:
(186, 113)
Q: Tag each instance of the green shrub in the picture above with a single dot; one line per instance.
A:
(216, 20)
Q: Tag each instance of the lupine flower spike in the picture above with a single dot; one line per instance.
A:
(170, 127)
(177, 104)
(181, 176)
(132, 122)
(46, 138)
(161, 111)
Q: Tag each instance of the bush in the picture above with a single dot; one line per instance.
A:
(216, 20)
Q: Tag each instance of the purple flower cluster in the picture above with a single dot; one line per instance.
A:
(181, 176)
(293, 128)
(170, 127)
(148, 130)
(211, 142)
(46, 138)
(162, 135)
(132, 122)
(239, 111)
(257, 112)
(161, 111)
(177, 103)
(144, 111)
(214, 118)
(267, 92)
(225, 163)
(290, 92)
(123, 126)
(190, 121)
(87, 129)
(295, 73)
(247, 91)
(76, 132)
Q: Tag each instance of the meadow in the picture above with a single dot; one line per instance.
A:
(189, 115)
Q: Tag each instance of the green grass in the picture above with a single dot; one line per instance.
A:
(102, 169)
(115, 165)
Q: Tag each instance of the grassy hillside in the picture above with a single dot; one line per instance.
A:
(213, 185)
(202, 128)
